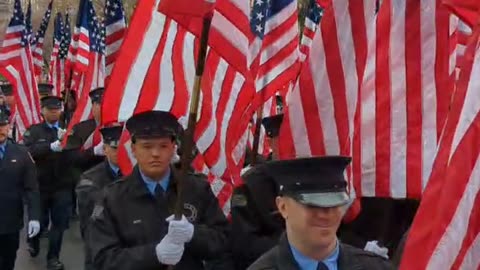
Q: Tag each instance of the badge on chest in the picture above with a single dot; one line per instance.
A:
(190, 212)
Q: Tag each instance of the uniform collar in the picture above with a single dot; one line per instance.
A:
(151, 184)
(55, 125)
(307, 263)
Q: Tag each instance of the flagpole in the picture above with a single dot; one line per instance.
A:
(188, 142)
(256, 135)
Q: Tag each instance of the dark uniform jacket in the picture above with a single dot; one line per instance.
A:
(52, 167)
(80, 133)
(17, 181)
(256, 223)
(350, 258)
(131, 222)
(90, 190)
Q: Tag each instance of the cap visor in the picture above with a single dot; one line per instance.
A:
(330, 199)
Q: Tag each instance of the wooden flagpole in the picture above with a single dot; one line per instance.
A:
(188, 142)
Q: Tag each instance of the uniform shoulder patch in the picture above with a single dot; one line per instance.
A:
(239, 200)
(97, 212)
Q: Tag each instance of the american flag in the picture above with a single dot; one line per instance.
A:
(89, 60)
(37, 41)
(312, 20)
(405, 99)
(115, 32)
(446, 230)
(274, 53)
(59, 53)
(17, 66)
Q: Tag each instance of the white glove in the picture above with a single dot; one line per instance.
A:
(168, 252)
(246, 169)
(56, 146)
(373, 246)
(98, 150)
(181, 231)
(60, 133)
(33, 228)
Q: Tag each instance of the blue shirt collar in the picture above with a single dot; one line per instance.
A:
(114, 168)
(53, 125)
(4, 145)
(307, 263)
(152, 184)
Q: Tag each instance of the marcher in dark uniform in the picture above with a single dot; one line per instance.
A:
(90, 188)
(84, 131)
(85, 135)
(313, 200)
(9, 107)
(44, 143)
(18, 182)
(256, 223)
(134, 229)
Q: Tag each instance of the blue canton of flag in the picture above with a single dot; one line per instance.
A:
(18, 20)
(315, 12)
(258, 17)
(113, 11)
(43, 26)
(28, 21)
(66, 38)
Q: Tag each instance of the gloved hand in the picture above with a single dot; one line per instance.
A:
(56, 146)
(181, 231)
(168, 252)
(246, 169)
(373, 246)
(98, 150)
(33, 228)
(60, 133)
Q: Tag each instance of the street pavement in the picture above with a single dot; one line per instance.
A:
(72, 252)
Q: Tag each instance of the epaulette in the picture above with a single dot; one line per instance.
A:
(114, 183)
(361, 252)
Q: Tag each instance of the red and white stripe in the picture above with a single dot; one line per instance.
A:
(404, 100)
(446, 232)
(115, 33)
(274, 60)
(37, 54)
(320, 109)
(16, 65)
(56, 70)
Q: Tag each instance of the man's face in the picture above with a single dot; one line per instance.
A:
(51, 115)
(153, 155)
(96, 111)
(111, 154)
(4, 130)
(314, 227)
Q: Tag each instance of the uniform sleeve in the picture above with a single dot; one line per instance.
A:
(210, 238)
(37, 148)
(30, 185)
(107, 249)
(86, 193)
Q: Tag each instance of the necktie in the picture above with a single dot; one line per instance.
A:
(159, 192)
(322, 266)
